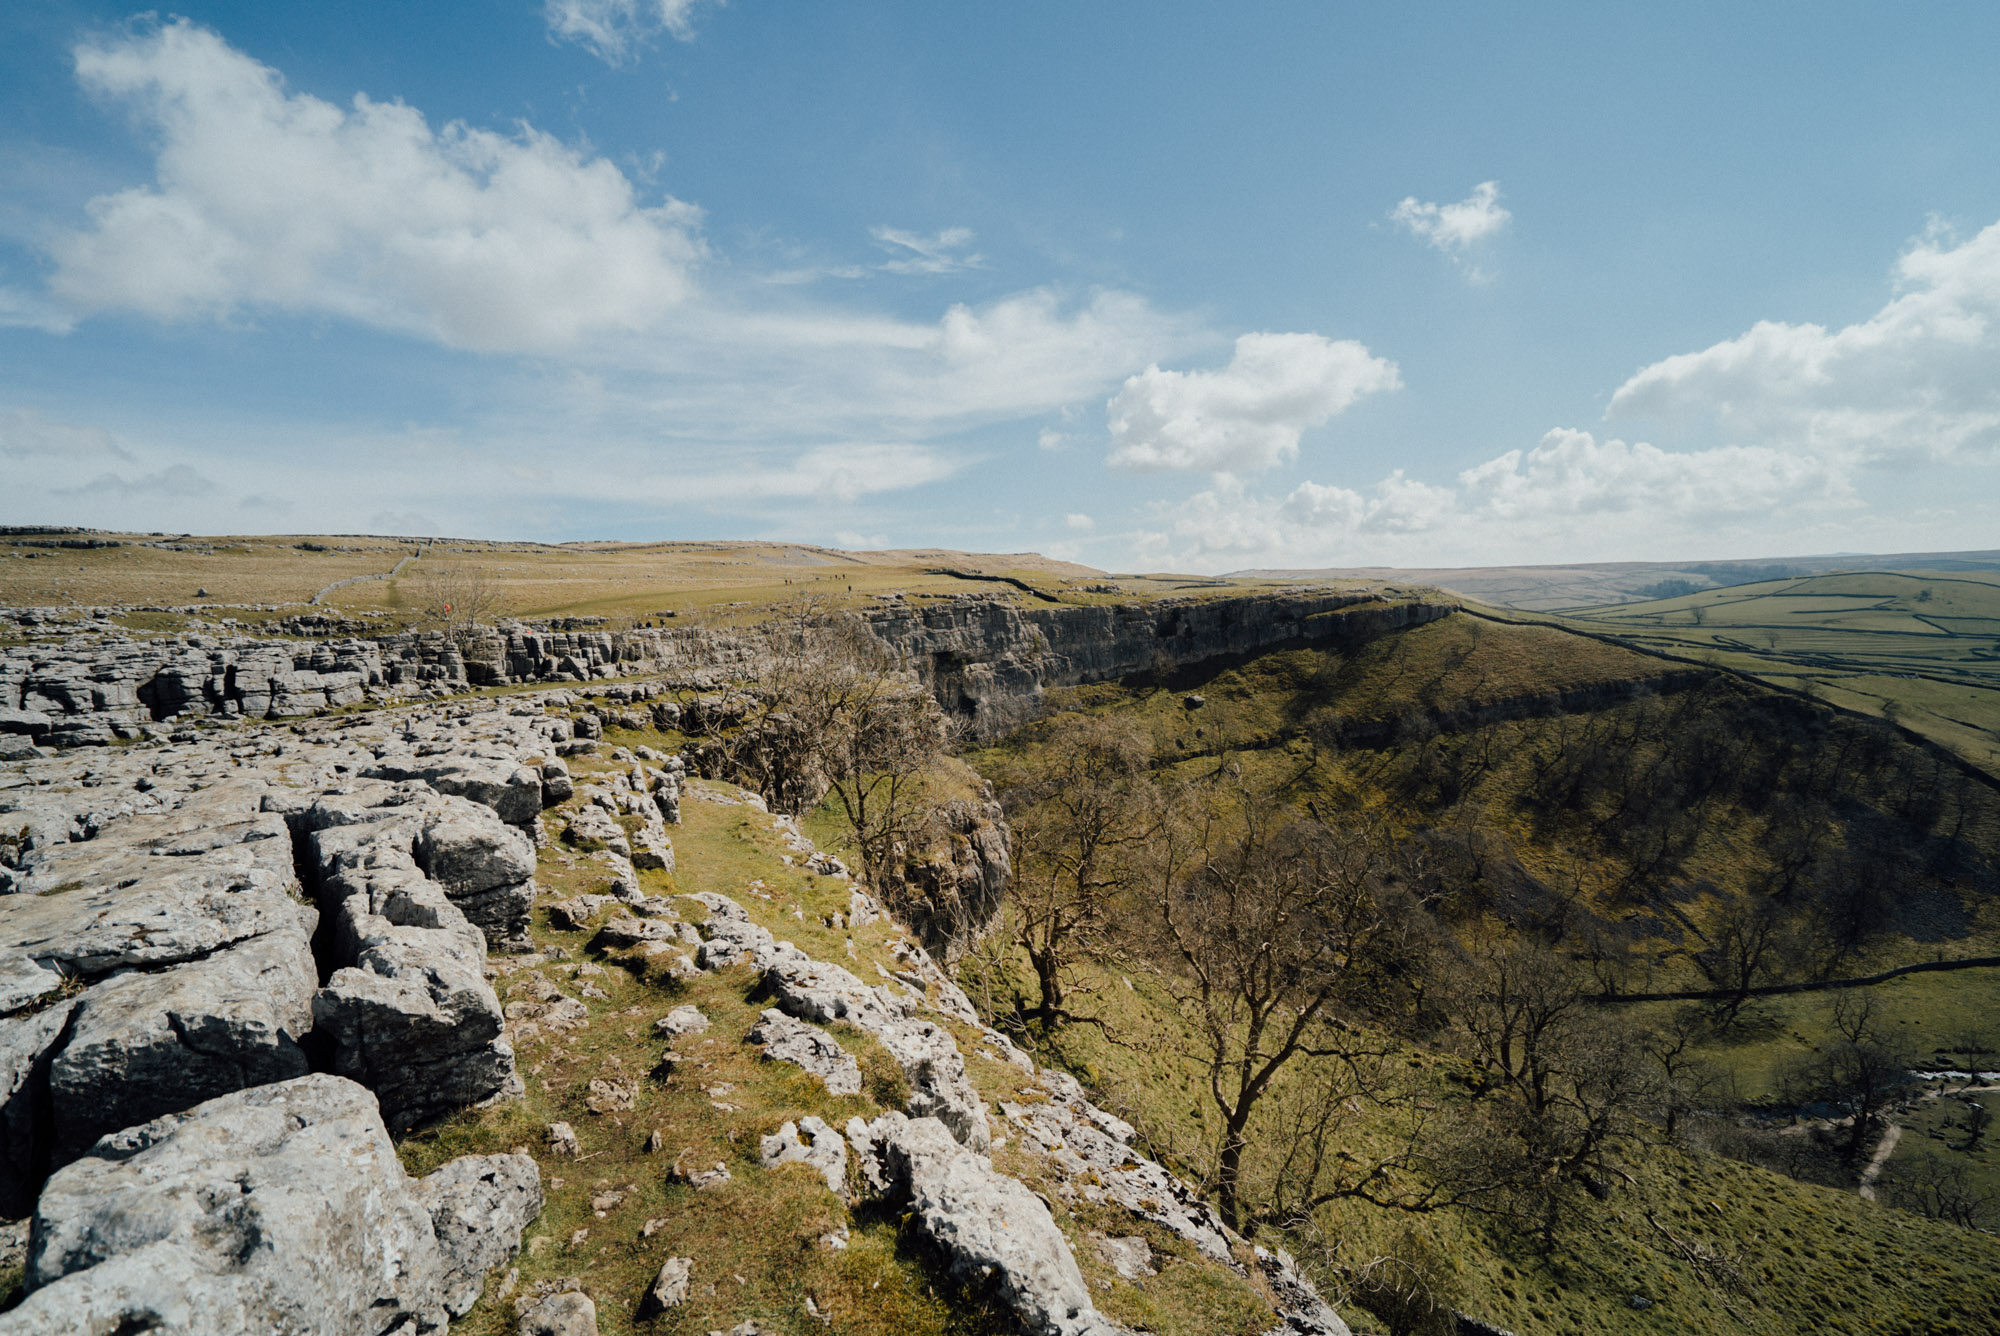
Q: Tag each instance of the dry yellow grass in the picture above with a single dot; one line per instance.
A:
(624, 582)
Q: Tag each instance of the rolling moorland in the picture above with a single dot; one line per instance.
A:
(1714, 830)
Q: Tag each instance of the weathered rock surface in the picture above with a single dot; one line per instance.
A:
(511, 790)
(670, 1287)
(479, 1205)
(184, 934)
(817, 991)
(409, 1011)
(810, 1048)
(990, 660)
(812, 1143)
(570, 1313)
(982, 1221)
(949, 895)
(277, 1209)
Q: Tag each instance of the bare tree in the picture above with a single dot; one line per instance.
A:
(1940, 1188)
(1254, 930)
(841, 717)
(1565, 1082)
(1751, 945)
(455, 596)
(1685, 1083)
(1856, 1071)
(1075, 829)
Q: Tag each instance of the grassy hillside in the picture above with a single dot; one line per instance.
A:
(617, 1211)
(1626, 811)
(624, 582)
(1922, 648)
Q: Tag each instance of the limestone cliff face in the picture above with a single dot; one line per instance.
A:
(948, 893)
(991, 660)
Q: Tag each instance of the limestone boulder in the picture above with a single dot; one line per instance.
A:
(809, 1048)
(281, 1208)
(985, 1223)
(512, 790)
(143, 1044)
(479, 1205)
(812, 1143)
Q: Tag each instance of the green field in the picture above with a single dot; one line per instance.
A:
(1921, 648)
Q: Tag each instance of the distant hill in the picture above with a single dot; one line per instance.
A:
(1594, 584)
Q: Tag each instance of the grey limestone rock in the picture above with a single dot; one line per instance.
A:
(27, 1132)
(570, 1313)
(684, 1019)
(983, 1221)
(410, 1013)
(810, 1048)
(277, 1209)
(670, 1287)
(812, 1143)
(486, 866)
(140, 1045)
(512, 790)
(595, 828)
(557, 786)
(479, 1205)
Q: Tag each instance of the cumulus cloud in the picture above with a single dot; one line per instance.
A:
(1573, 473)
(25, 434)
(1589, 499)
(1453, 228)
(1917, 378)
(271, 199)
(616, 29)
(943, 252)
(1079, 523)
(1250, 414)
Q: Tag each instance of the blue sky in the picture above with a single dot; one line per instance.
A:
(1146, 285)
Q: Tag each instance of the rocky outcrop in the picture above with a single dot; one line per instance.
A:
(948, 891)
(809, 1048)
(407, 1009)
(176, 953)
(813, 990)
(280, 1208)
(986, 1224)
(990, 660)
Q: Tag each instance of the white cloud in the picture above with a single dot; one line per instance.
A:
(1454, 228)
(1248, 415)
(843, 472)
(25, 433)
(1573, 473)
(177, 480)
(1077, 523)
(1573, 494)
(616, 29)
(1050, 439)
(270, 199)
(853, 541)
(1920, 377)
(918, 254)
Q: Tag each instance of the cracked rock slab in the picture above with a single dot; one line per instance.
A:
(984, 1222)
(809, 1048)
(277, 1209)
